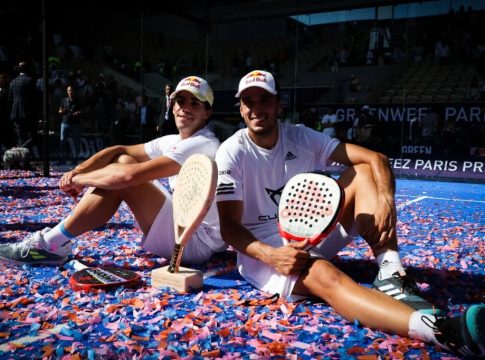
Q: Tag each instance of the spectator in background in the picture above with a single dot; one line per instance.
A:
(308, 117)
(84, 89)
(448, 138)
(333, 62)
(71, 111)
(418, 53)
(146, 120)
(355, 85)
(236, 64)
(442, 52)
(119, 125)
(329, 121)
(343, 56)
(369, 57)
(58, 92)
(166, 120)
(6, 135)
(473, 92)
(361, 130)
(429, 127)
(22, 96)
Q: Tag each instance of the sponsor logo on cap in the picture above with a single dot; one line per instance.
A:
(191, 81)
(256, 76)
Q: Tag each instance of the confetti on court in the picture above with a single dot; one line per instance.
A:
(40, 316)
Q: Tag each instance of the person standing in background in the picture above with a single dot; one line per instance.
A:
(166, 120)
(71, 111)
(329, 120)
(24, 107)
(146, 120)
(6, 135)
(119, 124)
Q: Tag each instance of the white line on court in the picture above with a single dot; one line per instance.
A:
(400, 206)
(403, 205)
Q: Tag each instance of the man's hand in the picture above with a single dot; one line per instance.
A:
(288, 259)
(67, 185)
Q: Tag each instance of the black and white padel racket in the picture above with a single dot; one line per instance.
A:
(92, 278)
(192, 197)
(310, 207)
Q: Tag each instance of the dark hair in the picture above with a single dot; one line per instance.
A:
(22, 66)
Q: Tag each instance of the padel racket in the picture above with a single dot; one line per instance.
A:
(192, 198)
(92, 278)
(310, 207)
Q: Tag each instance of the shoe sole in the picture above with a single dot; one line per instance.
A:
(39, 262)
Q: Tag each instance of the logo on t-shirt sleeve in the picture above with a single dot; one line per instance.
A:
(224, 188)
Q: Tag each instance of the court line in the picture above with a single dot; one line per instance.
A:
(435, 198)
(400, 206)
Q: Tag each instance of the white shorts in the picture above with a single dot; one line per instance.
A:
(266, 278)
(161, 237)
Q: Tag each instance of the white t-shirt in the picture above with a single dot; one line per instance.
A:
(257, 176)
(329, 119)
(172, 146)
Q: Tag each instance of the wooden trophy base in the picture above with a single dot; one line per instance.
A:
(185, 280)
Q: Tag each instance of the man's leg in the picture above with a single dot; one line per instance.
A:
(360, 205)
(97, 206)
(462, 335)
(354, 302)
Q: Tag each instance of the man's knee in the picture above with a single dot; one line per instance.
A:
(325, 275)
(125, 159)
(356, 174)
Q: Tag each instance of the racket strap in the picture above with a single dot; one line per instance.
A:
(104, 277)
(176, 258)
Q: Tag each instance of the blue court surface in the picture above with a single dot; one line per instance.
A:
(441, 231)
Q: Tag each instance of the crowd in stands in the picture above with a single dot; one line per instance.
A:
(450, 45)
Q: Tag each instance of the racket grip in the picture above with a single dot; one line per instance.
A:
(176, 258)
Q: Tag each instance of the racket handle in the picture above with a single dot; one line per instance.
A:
(176, 258)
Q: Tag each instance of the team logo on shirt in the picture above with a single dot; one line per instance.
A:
(274, 193)
(223, 188)
(290, 156)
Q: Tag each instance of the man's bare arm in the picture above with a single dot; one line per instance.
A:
(385, 213)
(106, 156)
(119, 176)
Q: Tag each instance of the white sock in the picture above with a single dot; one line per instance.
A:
(389, 262)
(422, 327)
(58, 240)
